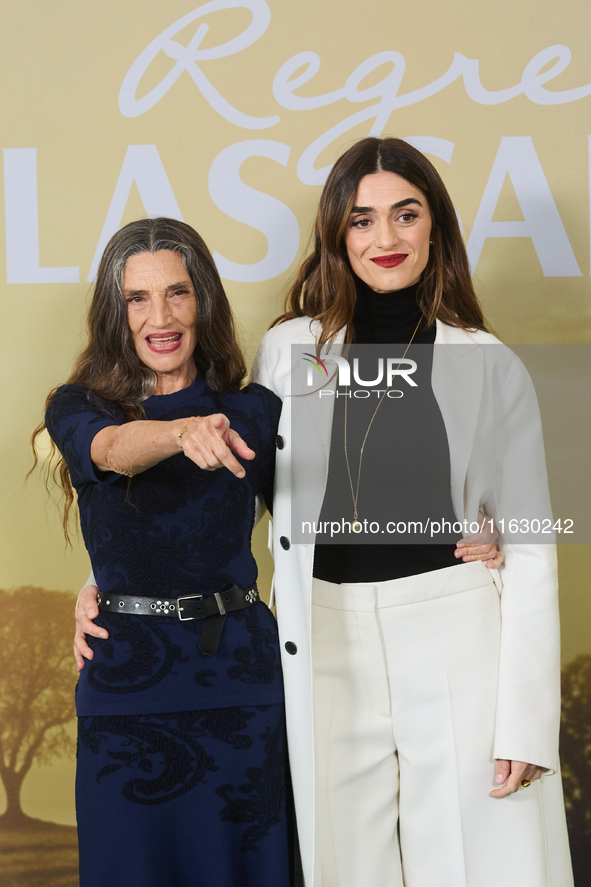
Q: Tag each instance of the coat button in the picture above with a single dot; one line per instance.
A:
(279, 442)
(284, 542)
(291, 648)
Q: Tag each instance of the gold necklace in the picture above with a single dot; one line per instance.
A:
(357, 526)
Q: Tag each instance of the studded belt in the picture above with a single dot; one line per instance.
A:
(186, 608)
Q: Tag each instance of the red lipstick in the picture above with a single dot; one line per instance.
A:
(390, 261)
(164, 343)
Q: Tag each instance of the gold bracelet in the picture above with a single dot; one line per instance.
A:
(181, 432)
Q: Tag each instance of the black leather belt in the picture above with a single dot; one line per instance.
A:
(187, 607)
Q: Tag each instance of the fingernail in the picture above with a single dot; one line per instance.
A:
(102, 634)
(499, 778)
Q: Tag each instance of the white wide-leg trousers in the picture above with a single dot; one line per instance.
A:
(405, 682)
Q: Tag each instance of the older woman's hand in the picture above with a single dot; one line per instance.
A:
(490, 554)
(136, 446)
(86, 611)
(481, 546)
(512, 773)
(209, 442)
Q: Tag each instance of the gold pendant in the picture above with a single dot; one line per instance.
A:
(357, 526)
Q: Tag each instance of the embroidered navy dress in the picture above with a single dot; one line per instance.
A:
(182, 773)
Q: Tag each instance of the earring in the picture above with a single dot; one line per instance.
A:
(431, 243)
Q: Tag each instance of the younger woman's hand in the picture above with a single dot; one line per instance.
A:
(512, 773)
(86, 611)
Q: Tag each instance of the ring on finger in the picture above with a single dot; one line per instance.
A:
(525, 783)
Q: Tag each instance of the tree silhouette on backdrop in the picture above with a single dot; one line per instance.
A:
(575, 754)
(37, 686)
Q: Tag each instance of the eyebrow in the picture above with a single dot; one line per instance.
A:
(173, 286)
(399, 205)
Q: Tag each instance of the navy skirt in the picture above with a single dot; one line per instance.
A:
(185, 799)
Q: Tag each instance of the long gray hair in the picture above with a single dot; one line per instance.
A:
(109, 365)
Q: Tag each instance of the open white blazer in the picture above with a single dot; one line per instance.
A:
(493, 427)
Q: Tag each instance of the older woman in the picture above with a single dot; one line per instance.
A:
(435, 684)
(181, 768)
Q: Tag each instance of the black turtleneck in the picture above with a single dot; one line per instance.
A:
(407, 439)
(388, 318)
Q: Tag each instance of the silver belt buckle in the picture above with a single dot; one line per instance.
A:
(220, 603)
(179, 609)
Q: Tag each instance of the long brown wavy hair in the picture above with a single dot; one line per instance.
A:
(109, 365)
(324, 288)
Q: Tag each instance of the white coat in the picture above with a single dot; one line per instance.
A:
(502, 403)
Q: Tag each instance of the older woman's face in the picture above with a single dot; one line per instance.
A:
(388, 232)
(162, 313)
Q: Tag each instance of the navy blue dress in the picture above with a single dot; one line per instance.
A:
(181, 771)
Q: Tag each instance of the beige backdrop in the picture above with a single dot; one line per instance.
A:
(225, 115)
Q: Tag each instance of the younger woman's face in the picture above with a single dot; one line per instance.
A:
(388, 232)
